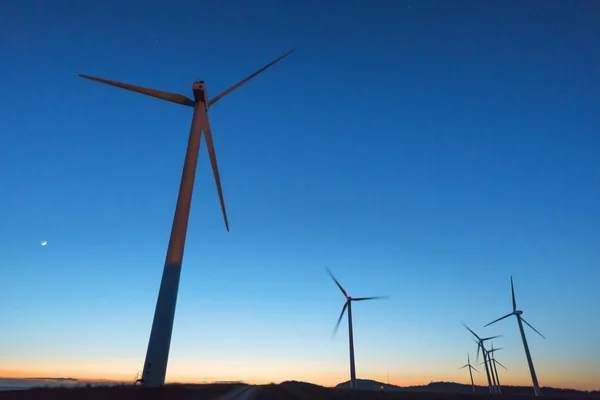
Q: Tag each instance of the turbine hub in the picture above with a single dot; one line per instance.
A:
(200, 92)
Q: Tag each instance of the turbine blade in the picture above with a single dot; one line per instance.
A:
(340, 318)
(498, 362)
(172, 97)
(496, 349)
(464, 366)
(213, 161)
(499, 319)
(477, 356)
(468, 359)
(336, 282)
(474, 334)
(491, 337)
(478, 348)
(536, 331)
(237, 85)
(370, 298)
(512, 289)
(472, 367)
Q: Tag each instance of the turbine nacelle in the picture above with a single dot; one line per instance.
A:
(517, 312)
(200, 93)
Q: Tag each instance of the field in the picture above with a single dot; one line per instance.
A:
(284, 391)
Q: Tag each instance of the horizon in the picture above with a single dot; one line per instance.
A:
(64, 381)
(428, 153)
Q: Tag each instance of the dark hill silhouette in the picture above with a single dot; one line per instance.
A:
(302, 384)
(452, 387)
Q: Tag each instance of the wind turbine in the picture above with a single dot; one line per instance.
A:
(155, 365)
(468, 365)
(479, 342)
(487, 357)
(136, 378)
(348, 305)
(520, 320)
(493, 363)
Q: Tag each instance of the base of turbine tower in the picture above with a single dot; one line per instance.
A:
(157, 355)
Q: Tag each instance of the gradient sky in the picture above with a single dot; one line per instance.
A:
(426, 150)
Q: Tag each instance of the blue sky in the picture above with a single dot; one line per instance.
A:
(426, 150)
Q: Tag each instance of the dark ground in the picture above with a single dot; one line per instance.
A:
(184, 392)
(304, 391)
(284, 391)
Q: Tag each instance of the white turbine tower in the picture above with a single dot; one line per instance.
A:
(520, 320)
(348, 305)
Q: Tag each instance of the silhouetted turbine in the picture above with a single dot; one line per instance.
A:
(493, 362)
(487, 357)
(517, 313)
(468, 365)
(479, 342)
(348, 305)
(157, 355)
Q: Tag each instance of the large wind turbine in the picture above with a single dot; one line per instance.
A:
(520, 320)
(479, 342)
(468, 365)
(155, 365)
(348, 305)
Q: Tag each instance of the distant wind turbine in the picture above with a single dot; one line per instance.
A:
(480, 346)
(348, 305)
(493, 363)
(157, 355)
(136, 378)
(520, 320)
(486, 356)
(468, 365)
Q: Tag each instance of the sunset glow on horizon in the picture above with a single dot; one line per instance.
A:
(270, 372)
(578, 382)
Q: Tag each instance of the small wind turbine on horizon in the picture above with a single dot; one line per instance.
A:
(480, 346)
(520, 320)
(348, 305)
(157, 355)
(468, 365)
(136, 378)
